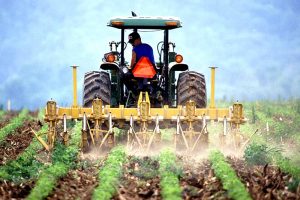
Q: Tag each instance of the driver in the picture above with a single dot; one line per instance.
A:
(142, 60)
(139, 49)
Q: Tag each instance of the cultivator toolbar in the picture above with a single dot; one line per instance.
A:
(143, 122)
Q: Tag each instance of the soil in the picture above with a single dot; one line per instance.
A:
(10, 190)
(6, 118)
(77, 184)
(15, 143)
(199, 182)
(140, 179)
(265, 182)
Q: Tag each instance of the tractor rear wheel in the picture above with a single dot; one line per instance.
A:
(191, 86)
(96, 85)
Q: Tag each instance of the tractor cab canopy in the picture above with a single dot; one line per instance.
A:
(145, 22)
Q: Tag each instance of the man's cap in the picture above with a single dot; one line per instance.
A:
(133, 36)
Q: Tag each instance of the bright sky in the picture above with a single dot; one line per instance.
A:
(255, 45)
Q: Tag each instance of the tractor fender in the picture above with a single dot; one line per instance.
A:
(109, 66)
(174, 66)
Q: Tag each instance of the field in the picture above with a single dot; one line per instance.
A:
(266, 166)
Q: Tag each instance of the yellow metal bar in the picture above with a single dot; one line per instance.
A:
(41, 140)
(126, 113)
(212, 85)
(74, 86)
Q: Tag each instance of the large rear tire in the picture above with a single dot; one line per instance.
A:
(96, 85)
(191, 86)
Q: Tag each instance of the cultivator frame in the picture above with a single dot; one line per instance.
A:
(104, 116)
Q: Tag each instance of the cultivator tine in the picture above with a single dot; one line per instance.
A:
(225, 126)
(155, 131)
(132, 136)
(109, 132)
(130, 131)
(40, 140)
(90, 132)
(51, 134)
(84, 132)
(137, 139)
(184, 138)
(65, 134)
(104, 139)
(179, 131)
(84, 123)
(157, 124)
(198, 138)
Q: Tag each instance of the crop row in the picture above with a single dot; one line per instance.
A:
(169, 176)
(14, 123)
(227, 175)
(25, 166)
(63, 159)
(110, 174)
(2, 113)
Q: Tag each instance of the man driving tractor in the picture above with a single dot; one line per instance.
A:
(142, 63)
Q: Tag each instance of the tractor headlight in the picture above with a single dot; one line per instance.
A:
(178, 58)
(110, 58)
(125, 70)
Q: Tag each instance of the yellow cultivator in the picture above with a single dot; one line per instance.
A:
(143, 122)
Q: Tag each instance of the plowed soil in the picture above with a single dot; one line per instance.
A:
(9, 190)
(16, 142)
(199, 181)
(265, 182)
(77, 184)
(6, 118)
(140, 180)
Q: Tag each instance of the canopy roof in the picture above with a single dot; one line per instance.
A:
(145, 22)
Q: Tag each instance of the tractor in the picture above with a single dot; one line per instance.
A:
(111, 99)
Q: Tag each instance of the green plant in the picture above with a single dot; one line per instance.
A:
(2, 113)
(167, 134)
(63, 160)
(254, 116)
(227, 175)
(41, 114)
(25, 166)
(110, 174)
(168, 172)
(256, 154)
(14, 123)
(148, 167)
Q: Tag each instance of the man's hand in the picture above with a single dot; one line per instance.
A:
(133, 60)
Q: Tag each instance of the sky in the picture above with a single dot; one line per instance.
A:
(255, 45)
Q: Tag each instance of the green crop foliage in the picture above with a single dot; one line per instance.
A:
(110, 174)
(14, 123)
(286, 165)
(230, 181)
(2, 113)
(64, 158)
(25, 166)
(167, 134)
(41, 114)
(168, 171)
(256, 154)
